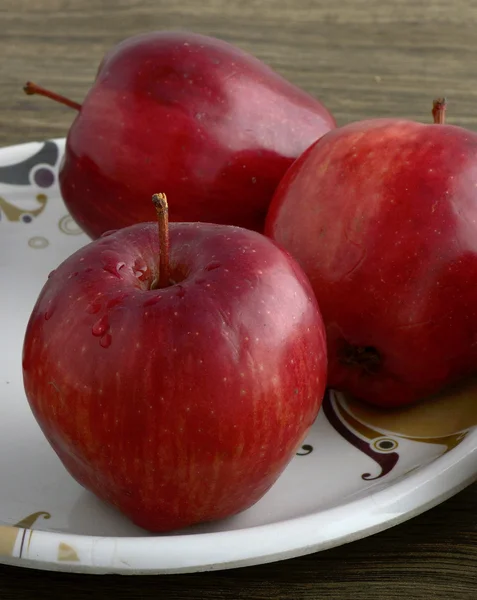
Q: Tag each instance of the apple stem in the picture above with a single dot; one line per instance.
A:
(439, 111)
(31, 88)
(162, 211)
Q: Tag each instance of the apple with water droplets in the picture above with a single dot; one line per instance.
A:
(382, 216)
(176, 369)
(176, 110)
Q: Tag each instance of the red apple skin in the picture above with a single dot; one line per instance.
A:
(187, 114)
(183, 404)
(382, 216)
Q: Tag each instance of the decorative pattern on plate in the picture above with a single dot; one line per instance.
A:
(38, 242)
(305, 450)
(444, 420)
(67, 553)
(16, 213)
(363, 437)
(8, 537)
(68, 225)
(36, 171)
(16, 538)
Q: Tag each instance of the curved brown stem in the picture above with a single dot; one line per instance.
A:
(31, 88)
(162, 211)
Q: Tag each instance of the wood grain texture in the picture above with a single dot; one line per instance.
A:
(362, 58)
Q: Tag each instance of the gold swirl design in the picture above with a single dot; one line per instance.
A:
(69, 226)
(27, 522)
(13, 213)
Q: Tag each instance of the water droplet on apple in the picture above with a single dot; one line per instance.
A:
(114, 269)
(117, 300)
(140, 268)
(94, 307)
(49, 312)
(51, 273)
(180, 292)
(105, 341)
(140, 265)
(112, 262)
(101, 326)
(212, 265)
(106, 233)
(152, 300)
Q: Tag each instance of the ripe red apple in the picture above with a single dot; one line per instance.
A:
(382, 216)
(189, 113)
(177, 392)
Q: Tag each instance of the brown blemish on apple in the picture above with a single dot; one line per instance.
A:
(365, 358)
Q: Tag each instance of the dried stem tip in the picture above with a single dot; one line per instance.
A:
(439, 111)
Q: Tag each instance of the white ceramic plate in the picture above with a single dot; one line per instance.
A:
(359, 471)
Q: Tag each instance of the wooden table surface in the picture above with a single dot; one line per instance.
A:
(362, 58)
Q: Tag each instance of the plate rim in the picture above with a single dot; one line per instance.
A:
(298, 532)
(377, 511)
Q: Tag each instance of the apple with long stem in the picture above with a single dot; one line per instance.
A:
(175, 369)
(382, 216)
(184, 112)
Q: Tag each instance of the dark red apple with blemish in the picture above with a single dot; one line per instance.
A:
(382, 216)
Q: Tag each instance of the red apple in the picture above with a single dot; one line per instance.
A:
(190, 113)
(382, 216)
(183, 403)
